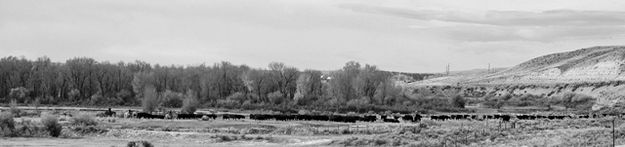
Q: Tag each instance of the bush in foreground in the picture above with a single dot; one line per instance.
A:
(139, 144)
(84, 120)
(14, 110)
(190, 103)
(150, 99)
(51, 123)
(7, 124)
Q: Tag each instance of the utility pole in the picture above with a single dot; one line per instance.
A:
(489, 68)
(447, 69)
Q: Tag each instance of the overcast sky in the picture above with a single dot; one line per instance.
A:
(399, 35)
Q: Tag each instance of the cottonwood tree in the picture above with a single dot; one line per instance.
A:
(309, 87)
(83, 80)
(258, 82)
(387, 93)
(82, 75)
(368, 80)
(341, 83)
(286, 77)
(14, 72)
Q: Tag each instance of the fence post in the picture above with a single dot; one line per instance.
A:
(499, 128)
(613, 133)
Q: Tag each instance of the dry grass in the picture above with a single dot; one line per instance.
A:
(579, 132)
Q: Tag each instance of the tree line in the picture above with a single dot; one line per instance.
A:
(85, 81)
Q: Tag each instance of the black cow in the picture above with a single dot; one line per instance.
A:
(505, 118)
(233, 116)
(261, 116)
(369, 118)
(584, 116)
(149, 116)
(440, 117)
(417, 118)
(408, 118)
(345, 119)
(189, 116)
(391, 120)
(210, 116)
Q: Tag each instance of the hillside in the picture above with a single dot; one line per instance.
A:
(595, 72)
(456, 77)
(595, 64)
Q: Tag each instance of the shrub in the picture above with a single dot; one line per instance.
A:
(18, 93)
(139, 144)
(97, 99)
(73, 94)
(572, 100)
(276, 97)
(14, 110)
(126, 97)
(190, 104)
(492, 101)
(51, 124)
(84, 120)
(150, 99)
(228, 104)
(89, 130)
(457, 101)
(359, 105)
(248, 105)
(7, 124)
(26, 128)
(238, 97)
(172, 99)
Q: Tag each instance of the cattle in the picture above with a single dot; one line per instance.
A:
(346, 119)
(474, 117)
(523, 117)
(417, 118)
(149, 116)
(169, 115)
(583, 116)
(440, 117)
(284, 117)
(189, 116)
(391, 120)
(233, 116)
(369, 118)
(261, 116)
(321, 118)
(505, 118)
(211, 116)
(408, 118)
(496, 116)
(129, 114)
(107, 113)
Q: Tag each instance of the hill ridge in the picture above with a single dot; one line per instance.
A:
(599, 63)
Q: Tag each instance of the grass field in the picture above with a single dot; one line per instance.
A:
(119, 131)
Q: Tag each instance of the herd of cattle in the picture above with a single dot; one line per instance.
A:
(353, 118)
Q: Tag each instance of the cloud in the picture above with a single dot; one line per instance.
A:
(502, 18)
(544, 26)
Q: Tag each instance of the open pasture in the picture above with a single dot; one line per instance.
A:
(116, 131)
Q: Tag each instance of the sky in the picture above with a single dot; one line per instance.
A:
(397, 35)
